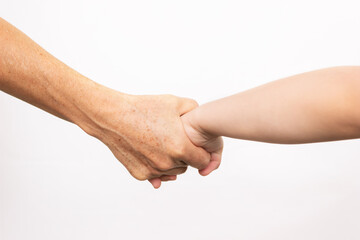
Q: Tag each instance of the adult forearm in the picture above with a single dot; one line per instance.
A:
(144, 133)
(316, 106)
(30, 73)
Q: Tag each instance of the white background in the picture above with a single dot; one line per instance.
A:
(58, 183)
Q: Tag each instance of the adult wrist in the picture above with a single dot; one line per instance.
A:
(96, 106)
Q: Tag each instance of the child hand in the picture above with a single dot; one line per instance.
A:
(211, 143)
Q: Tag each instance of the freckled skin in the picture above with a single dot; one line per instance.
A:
(145, 133)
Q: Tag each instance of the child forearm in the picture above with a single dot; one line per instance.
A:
(322, 105)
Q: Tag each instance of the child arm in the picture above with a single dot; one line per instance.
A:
(317, 106)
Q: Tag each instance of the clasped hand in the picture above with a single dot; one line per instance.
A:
(153, 137)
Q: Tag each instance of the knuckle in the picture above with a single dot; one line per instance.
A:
(164, 165)
(193, 103)
(178, 150)
(170, 98)
(141, 175)
(202, 162)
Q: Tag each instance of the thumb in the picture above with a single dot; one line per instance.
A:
(186, 105)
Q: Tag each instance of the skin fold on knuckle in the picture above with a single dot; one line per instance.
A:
(142, 174)
(177, 149)
(163, 165)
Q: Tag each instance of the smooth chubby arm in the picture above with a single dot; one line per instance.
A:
(317, 106)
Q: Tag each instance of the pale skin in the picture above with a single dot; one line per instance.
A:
(145, 133)
(317, 106)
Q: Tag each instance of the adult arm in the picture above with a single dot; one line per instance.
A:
(145, 133)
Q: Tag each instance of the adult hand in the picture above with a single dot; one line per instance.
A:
(146, 135)
(144, 132)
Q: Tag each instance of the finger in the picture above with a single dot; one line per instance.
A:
(180, 163)
(213, 165)
(215, 147)
(156, 182)
(195, 156)
(186, 105)
(166, 178)
(175, 171)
